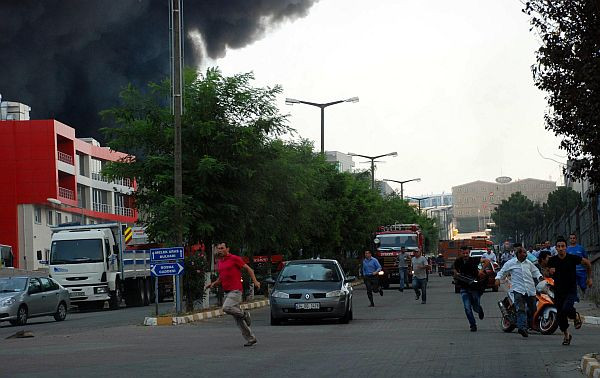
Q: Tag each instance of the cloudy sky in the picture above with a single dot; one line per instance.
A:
(446, 84)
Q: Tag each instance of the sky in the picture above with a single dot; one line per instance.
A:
(446, 84)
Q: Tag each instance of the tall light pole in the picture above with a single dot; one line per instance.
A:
(419, 199)
(402, 185)
(292, 101)
(373, 158)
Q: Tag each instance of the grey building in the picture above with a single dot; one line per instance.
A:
(342, 161)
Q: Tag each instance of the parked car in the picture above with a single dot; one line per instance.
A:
(311, 289)
(22, 298)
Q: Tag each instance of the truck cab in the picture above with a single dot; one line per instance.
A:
(82, 261)
(389, 242)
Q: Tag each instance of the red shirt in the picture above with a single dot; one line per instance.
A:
(230, 273)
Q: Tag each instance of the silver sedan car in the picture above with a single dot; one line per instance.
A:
(311, 289)
(22, 298)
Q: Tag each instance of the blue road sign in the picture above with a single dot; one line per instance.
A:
(166, 269)
(166, 254)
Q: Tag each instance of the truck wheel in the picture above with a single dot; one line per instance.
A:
(116, 296)
(141, 288)
(152, 293)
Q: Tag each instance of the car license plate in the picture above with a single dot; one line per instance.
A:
(77, 294)
(308, 306)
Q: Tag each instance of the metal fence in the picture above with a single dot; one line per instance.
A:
(583, 221)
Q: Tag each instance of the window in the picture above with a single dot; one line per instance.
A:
(46, 284)
(39, 255)
(37, 215)
(34, 286)
(50, 218)
(81, 159)
(58, 218)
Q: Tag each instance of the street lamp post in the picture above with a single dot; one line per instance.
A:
(373, 158)
(419, 200)
(292, 101)
(402, 185)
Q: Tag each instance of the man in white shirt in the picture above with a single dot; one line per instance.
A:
(523, 275)
(490, 255)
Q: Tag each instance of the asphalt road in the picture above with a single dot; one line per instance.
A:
(399, 337)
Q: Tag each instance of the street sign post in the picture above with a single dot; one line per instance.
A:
(167, 262)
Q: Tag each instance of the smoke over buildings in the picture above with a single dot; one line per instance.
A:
(68, 59)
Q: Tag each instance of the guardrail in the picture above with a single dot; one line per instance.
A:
(65, 158)
(66, 193)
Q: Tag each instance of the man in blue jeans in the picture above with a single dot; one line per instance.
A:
(465, 273)
(419, 267)
(523, 276)
(576, 249)
(402, 270)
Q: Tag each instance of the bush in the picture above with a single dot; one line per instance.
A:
(194, 275)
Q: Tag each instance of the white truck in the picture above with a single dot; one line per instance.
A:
(92, 263)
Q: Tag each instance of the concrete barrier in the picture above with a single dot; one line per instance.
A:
(590, 366)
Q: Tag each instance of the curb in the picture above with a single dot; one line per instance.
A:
(175, 320)
(590, 366)
(595, 320)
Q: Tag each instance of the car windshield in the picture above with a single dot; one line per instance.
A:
(397, 241)
(76, 251)
(11, 285)
(325, 272)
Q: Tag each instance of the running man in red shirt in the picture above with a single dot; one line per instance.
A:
(230, 268)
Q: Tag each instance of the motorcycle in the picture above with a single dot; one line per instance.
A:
(545, 318)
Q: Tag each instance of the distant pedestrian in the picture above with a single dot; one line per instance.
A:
(229, 267)
(563, 268)
(466, 274)
(578, 250)
(370, 270)
(489, 255)
(402, 269)
(523, 276)
(419, 267)
(441, 263)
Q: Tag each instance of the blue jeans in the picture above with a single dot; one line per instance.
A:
(420, 286)
(402, 277)
(470, 300)
(525, 306)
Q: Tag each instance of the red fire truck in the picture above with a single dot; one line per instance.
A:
(389, 241)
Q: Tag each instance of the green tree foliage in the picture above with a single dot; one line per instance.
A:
(568, 68)
(240, 182)
(560, 202)
(516, 216)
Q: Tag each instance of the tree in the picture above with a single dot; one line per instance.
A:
(568, 68)
(516, 216)
(561, 201)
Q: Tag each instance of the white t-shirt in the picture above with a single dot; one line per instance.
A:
(418, 266)
(490, 256)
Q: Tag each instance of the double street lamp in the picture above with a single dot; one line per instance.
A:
(419, 199)
(292, 101)
(373, 158)
(402, 185)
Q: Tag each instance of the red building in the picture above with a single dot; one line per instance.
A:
(49, 177)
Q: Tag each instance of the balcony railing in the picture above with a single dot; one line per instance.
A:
(101, 207)
(65, 158)
(66, 193)
(125, 211)
(121, 181)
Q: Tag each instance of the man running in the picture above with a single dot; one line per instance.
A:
(419, 267)
(230, 278)
(370, 270)
(402, 269)
(465, 273)
(578, 250)
(563, 268)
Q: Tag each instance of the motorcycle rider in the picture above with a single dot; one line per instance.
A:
(523, 275)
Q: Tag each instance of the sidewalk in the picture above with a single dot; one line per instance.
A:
(589, 310)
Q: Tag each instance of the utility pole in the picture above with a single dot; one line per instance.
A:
(177, 98)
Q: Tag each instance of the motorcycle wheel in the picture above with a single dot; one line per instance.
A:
(506, 324)
(548, 326)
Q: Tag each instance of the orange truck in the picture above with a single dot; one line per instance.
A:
(389, 242)
(450, 250)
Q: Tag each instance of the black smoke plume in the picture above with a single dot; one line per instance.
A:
(68, 59)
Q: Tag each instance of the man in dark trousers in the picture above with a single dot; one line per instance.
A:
(466, 273)
(370, 270)
(563, 267)
(230, 278)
